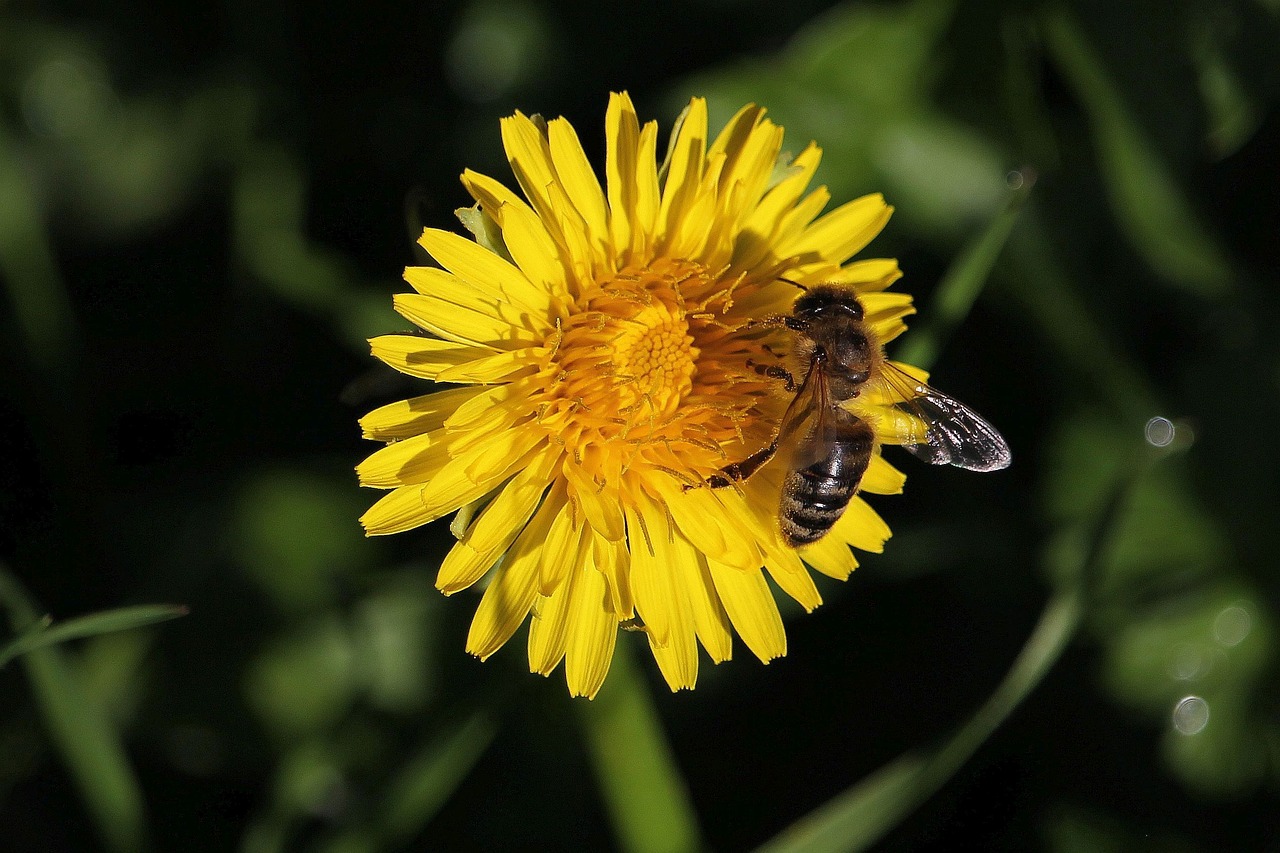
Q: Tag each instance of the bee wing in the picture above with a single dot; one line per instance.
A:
(953, 434)
(807, 426)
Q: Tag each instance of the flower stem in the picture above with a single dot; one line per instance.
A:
(643, 789)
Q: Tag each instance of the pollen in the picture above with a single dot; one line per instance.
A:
(655, 359)
(639, 353)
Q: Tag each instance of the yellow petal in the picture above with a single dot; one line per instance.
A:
(884, 307)
(423, 357)
(751, 608)
(561, 552)
(398, 511)
(579, 252)
(709, 619)
(414, 460)
(486, 275)
(461, 324)
(417, 415)
(919, 374)
(548, 629)
(871, 275)
(492, 194)
(477, 471)
(831, 556)
(757, 237)
(496, 367)
(844, 231)
(645, 214)
(678, 570)
(529, 154)
(614, 563)
(711, 520)
(622, 138)
(442, 287)
(602, 509)
(593, 632)
(688, 154)
(498, 525)
(678, 659)
(882, 478)
(650, 537)
(508, 598)
(534, 251)
(530, 244)
(505, 416)
(580, 184)
(796, 221)
(734, 135)
(862, 527)
(746, 176)
(478, 408)
(789, 574)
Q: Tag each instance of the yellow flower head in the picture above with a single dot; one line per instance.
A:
(594, 336)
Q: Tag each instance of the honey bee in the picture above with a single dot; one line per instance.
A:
(828, 446)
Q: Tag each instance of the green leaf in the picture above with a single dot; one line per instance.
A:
(857, 818)
(1050, 296)
(105, 622)
(862, 815)
(422, 787)
(90, 747)
(28, 269)
(964, 281)
(1149, 205)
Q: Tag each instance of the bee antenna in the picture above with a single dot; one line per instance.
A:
(793, 283)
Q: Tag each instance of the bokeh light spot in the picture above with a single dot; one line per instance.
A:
(1186, 662)
(1232, 625)
(1160, 432)
(1191, 715)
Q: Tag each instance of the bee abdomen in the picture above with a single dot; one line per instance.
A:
(814, 498)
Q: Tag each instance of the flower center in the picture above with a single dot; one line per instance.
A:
(653, 358)
(645, 369)
(626, 354)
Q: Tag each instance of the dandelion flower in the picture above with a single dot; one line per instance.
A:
(591, 338)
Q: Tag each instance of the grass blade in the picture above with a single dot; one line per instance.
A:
(859, 817)
(44, 633)
(80, 731)
(641, 785)
(422, 787)
(1150, 207)
(964, 281)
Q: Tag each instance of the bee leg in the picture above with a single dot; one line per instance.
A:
(771, 321)
(738, 471)
(774, 371)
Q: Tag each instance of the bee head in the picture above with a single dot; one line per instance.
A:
(828, 301)
(831, 318)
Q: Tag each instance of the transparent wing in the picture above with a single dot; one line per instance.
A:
(957, 435)
(808, 427)
(943, 431)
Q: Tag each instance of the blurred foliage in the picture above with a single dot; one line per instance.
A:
(202, 216)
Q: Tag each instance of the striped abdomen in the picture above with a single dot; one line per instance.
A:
(814, 498)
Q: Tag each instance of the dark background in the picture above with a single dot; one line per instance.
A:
(204, 211)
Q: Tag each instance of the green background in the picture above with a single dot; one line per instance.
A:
(204, 211)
